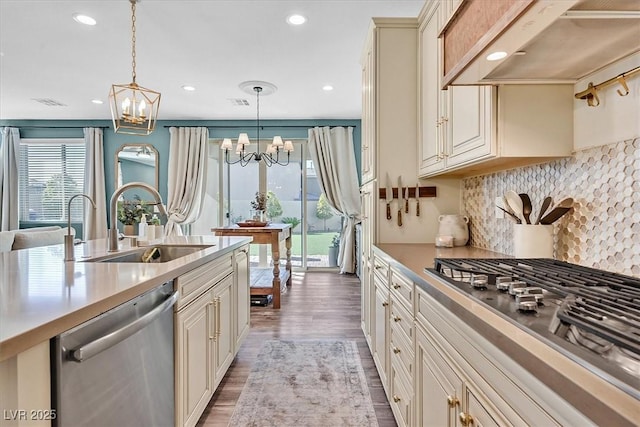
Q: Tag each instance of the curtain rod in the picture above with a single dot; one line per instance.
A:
(263, 127)
(60, 127)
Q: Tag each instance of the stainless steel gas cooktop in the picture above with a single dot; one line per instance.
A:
(590, 315)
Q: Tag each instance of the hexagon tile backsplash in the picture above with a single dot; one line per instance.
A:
(602, 231)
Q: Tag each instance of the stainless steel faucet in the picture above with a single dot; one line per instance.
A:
(68, 239)
(113, 231)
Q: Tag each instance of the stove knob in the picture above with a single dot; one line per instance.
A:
(479, 281)
(537, 293)
(526, 302)
(513, 286)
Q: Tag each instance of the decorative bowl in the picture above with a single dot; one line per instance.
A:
(252, 223)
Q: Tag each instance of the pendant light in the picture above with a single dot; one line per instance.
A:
(134, 109)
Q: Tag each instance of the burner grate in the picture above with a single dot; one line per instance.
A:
(599, 302)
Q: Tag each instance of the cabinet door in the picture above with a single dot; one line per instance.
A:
(194, 359)
(367, 294)
(242, 299)
(479, 413)
(380, 331)
(469, 125)
(438, 390)
(223, 328)
(431, 127)
(368, 217)
(368, 113)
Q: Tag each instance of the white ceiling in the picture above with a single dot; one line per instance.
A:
(213, 45)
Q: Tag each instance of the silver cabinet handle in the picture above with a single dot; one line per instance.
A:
(91, 349)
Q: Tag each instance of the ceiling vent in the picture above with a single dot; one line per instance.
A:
(239, 102)
(49, 102)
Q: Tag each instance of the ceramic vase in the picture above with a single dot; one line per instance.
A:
(455, 226)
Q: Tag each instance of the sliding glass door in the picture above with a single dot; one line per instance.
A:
(294, 197)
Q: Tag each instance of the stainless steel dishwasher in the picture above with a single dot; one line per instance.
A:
(117, 368)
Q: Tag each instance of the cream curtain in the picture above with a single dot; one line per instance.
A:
(95, 220)
(333, 154)
(188, 153)
(9, 154)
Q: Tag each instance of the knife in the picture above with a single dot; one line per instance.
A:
(399, 201)
(406, 199)
(418, 199)
(389, 196)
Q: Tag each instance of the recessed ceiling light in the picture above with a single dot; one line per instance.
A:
(496, 56)
(296, 19)
(188, 88)
(96, 101)
(327, 88)
(84, 19)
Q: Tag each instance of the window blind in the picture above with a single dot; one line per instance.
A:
(51, 171)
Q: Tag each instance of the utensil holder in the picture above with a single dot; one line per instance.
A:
(532, 241)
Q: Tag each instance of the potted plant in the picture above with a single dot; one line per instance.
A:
(130, 212)
(259, 204)
(334, 248)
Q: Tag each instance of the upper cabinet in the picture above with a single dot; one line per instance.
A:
(558, 41)
(389, 64)
(466, 130)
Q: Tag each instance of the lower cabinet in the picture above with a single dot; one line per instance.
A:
(380, 330)
(209, 329)
(224, 339)
(195, 332)
(443, 397)
(242, 295)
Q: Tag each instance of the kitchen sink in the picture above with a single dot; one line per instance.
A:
(151, 254)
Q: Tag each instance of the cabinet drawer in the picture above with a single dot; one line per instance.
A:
(198, 280)
(380, 268)
(401, 351)
(401, 320)
(401, 394)
(402, 288)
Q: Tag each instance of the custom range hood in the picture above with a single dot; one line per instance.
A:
(545, 41)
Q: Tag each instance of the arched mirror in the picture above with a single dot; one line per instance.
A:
(137, 163)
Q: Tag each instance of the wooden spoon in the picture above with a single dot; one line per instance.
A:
(545, 205)
(560, 209)
(514, 202)
(526, 207)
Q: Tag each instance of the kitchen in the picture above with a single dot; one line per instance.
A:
(602, 147)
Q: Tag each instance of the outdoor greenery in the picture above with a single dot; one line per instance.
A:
(323, 210)
(53, 202)
(291, 220)
(274, 208)
(317, 244)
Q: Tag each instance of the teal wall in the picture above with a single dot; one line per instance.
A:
(160, 137)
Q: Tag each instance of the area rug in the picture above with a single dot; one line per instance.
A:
(305, 383)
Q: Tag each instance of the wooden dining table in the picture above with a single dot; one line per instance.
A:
(270, 234)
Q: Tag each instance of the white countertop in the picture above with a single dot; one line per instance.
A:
(41, 295)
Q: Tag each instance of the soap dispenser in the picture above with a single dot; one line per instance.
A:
(142, 227)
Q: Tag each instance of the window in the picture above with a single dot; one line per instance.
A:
(50, 172)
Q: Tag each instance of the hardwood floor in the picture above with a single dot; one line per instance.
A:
(319, 305)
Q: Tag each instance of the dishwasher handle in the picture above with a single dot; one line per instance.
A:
(91, 349)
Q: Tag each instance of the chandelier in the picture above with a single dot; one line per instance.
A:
(134, 109)
(271, 156)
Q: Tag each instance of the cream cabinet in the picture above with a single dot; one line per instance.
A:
(467, 130)
(241, 295)
(224, 339)
(389, 67)
(366, 280)
(195, 332)
(401, 348)
(380, 318)
(209, 329)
